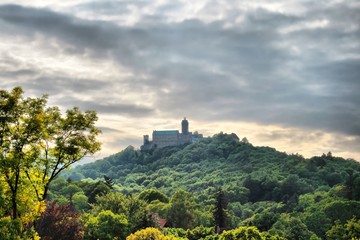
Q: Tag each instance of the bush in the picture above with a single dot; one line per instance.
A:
(147, 234)
(242, 233)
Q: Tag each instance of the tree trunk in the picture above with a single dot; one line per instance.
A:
(14, 206)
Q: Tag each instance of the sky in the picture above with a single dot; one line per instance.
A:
(284, 74)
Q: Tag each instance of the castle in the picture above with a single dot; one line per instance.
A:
(165, 138)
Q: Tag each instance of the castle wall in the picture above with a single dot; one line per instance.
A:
(185, 138)
(165, 138)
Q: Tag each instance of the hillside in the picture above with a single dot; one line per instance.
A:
(219, 161)
(271, 190)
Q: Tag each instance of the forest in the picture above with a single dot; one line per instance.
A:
(218, 188)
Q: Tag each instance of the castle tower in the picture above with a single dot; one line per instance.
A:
(185, 126)
(146, 139)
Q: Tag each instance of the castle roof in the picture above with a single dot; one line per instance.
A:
(165, 132)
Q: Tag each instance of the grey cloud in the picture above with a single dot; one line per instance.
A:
(343, 143)
(58, 85)
(110, 7)
(290, 135)
(18, 73)
(82, 34)
(109, 130)
(244, 72)
(107, 106)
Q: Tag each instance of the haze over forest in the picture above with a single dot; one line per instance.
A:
(281, 73)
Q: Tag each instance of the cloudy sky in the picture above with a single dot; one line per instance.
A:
(284, 74)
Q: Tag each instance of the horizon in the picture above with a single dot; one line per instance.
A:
(282, 74)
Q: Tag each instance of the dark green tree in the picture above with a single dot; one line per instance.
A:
(109, 181)
(97, 189)
(220, 213)
(264, 220)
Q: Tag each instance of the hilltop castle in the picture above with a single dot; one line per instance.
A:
(165, 138)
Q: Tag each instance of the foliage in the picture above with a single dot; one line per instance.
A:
(150, 195)
(283, 195)
(177, 233)
(147, 234)
(60, 222)
(37, 143)
(15, 230)
(243, 171)
(181, 212)
(265, 220)
(158, 207)
(80, 202)
(242, 233)
(200, 232)
(106, 226)
(349, 230)
(112, 201)
(342, 210)
(291, 228)
(220, 210)
(132, 208)
(92, 190)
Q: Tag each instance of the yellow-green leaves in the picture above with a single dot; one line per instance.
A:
(36, 144)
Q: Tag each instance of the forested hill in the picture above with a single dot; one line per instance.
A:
(288, 195)
(244, 171)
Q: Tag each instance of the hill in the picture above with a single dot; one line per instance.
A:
(262, 186)
(218, 161)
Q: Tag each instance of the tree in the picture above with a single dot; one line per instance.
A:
(106, 226)
(113, 201)
(350, 230)
(150, 195)
(13, 229)
(200, 232)
(134, 209)
(20, 125)
(94, 190)
(342, 210)
(147, 233)
(181, 212)
(60, 222)
(220, 211)
(80, 202)
(254, 187)
(291, 228)
(246, 233)
(70, 190)
(264, 220)
(37, 143)
(138, 215)
(109, 181)
(66, 141)
(352, 185)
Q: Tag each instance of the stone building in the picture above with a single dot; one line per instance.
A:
(165, 138)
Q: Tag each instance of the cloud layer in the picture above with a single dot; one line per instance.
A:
(291, 65)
